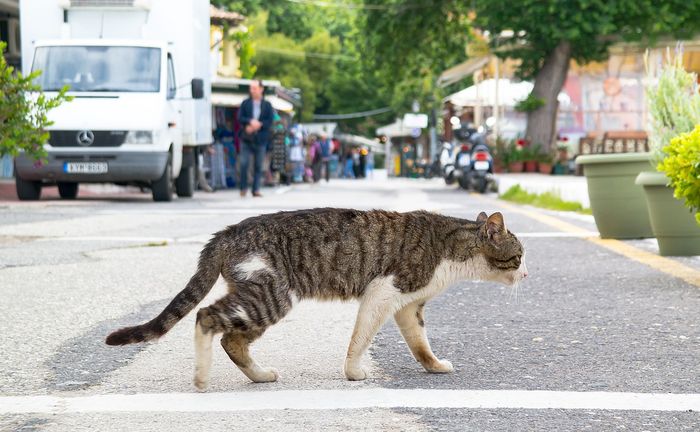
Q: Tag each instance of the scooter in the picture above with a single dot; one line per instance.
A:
(474, 164)
(481, 172)
(462, 167)
(447, 164)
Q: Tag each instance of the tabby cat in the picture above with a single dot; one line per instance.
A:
(392, 262)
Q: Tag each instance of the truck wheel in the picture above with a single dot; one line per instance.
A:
(27, 190)
(184, 185)
(68, 190)
(162, 188)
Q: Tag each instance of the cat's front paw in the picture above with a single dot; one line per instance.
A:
(201, 384)
(356, 373)
(440, 366)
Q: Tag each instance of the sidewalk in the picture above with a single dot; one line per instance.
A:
(8, 192)
(568, 187)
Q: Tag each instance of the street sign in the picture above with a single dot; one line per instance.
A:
(415, 120)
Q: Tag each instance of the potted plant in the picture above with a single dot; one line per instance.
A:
(674, 108)
(617, 203)
(512, 158)
(499, 156)
(529, 156)
(544, 163)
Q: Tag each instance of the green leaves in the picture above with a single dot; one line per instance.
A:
(682, 166)
(589, 25)
(23, 112)
(530, 103)
(673, 102)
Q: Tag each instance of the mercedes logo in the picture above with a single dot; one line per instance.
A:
(85, 138)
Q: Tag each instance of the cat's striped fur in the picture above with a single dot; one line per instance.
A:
(392, 262)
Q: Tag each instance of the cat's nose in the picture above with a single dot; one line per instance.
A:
(524, 274)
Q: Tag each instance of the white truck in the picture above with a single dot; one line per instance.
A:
(138, 71)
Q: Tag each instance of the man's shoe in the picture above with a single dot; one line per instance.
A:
(243, 193)
(257, 194)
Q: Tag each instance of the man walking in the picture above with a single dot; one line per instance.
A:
(326, 151)
(255, 116)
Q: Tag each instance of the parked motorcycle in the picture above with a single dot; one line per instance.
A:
(474, 164)
(447, 163)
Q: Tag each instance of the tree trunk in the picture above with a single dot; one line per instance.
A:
(549, 81)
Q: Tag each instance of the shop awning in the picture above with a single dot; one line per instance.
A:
(395, 129)
(235, 100)
(360, 141)
(456, 73)
(484, 94)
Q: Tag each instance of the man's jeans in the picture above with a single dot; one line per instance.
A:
(257, 150)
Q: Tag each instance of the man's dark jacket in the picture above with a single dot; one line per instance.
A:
(245, 115)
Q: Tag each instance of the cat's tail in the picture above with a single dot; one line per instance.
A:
(197, 288)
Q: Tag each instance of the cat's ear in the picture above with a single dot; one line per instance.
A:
(495, 225)
(482, 217)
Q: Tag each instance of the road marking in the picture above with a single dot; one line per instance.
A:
(549, 234)
(349, 399)
(657, 262)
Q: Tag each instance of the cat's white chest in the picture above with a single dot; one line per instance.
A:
(447, 273)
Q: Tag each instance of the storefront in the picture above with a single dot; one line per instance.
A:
(226, 98)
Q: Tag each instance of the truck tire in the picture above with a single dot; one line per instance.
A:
(27, 190)
(184, 185)
(68, 190)
(162, 189)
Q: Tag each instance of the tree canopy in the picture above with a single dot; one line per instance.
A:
(362, 55)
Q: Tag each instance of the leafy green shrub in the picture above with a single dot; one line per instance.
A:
(673, 102)
(511, 154)
(682, 166)
(529, 104)
(23, 119)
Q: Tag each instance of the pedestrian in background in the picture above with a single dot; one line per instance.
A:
(356, 163)
(348, 171)
(218, 165)
(225, 136)
(296, 155)
(370, 164)
(255, 116)
(316, 159)
(326, 153)
(363, 162)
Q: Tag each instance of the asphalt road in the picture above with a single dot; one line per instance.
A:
(588, 321)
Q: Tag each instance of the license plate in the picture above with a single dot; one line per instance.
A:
(464, 160)
(85, 167)
(481, 166)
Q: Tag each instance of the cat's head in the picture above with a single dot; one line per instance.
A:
(504, 254)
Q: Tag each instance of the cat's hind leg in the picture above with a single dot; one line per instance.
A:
(412, 325)
(236, 346)
(243, 316)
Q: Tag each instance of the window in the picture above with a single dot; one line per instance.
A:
(172, 84)
(98, 68)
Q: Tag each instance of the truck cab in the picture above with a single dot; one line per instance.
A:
(132, 119)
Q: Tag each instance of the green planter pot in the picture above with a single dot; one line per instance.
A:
(617, 203)
(673, 224)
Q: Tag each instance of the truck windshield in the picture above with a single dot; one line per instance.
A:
(98, 68)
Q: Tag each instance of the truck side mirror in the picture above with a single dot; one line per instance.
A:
(197, 88)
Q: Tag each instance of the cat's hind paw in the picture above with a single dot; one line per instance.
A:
(441, 366)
